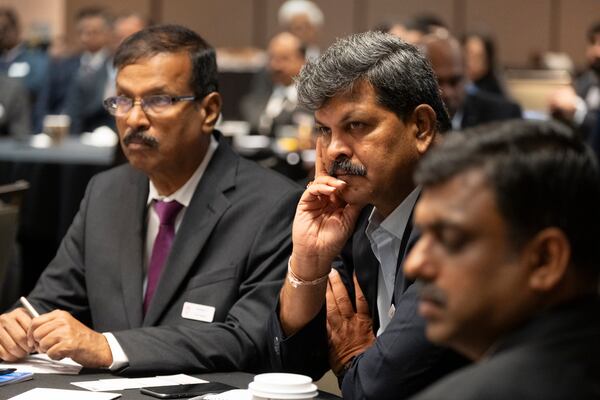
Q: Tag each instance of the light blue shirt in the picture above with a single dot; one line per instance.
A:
(385, 236)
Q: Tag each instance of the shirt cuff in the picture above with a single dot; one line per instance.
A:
(119, 357)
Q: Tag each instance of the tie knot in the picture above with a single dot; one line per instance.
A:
(167, 211)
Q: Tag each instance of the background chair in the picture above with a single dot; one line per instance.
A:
(10, 202)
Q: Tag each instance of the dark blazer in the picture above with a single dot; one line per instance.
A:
(15, 112)
(230, 253)
(253, 105)
(555, 356)
(84, 100)
(481, 107)
(400, 363)
(62, 72)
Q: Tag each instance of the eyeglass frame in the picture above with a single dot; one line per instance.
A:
(143, 103)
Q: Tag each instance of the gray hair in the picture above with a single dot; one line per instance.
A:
(291, 8)
(400, 74)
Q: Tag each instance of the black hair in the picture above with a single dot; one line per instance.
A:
(173, 39)
(542, 175)
(593, 31)
(400, 74)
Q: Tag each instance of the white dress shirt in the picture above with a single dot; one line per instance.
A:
(385, 237)
(184, 196)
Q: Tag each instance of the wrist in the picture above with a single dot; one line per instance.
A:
(309, 268)
(343, 369)
(297, 281)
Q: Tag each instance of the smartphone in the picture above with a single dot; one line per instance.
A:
(182, 391)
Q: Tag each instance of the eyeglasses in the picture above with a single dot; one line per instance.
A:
(156, 104)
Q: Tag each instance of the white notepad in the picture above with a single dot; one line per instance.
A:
(61, 394)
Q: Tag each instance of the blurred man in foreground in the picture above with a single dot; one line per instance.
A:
(377, 111)
(508, 262)
(174, 260)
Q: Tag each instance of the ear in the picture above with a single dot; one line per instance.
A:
(549, 257)
(425, 123)
(211, 108)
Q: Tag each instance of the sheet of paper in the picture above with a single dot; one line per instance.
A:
(136, 383)
(60, 394)
(236, 394)
(42, 364)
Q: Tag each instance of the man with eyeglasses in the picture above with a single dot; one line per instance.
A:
(175, 259)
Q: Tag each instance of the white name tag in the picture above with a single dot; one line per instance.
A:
(18, 70)
(198, 312)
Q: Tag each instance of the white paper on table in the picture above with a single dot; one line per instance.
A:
(136, 383)
(42, 364)
(61, 394)
(235, 394)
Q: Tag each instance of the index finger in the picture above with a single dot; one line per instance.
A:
(320, 168)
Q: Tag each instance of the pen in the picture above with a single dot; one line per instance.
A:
(29, 307)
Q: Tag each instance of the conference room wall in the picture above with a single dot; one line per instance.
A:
(522, 28)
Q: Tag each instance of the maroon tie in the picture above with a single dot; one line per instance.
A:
(167, 212)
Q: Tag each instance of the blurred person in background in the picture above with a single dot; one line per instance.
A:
(15, 114)
(481, 64)
(468, 106)
(273, 100)
(27, 65)
(578, 105)
(304, 19)
(413, 29)
(83, 100)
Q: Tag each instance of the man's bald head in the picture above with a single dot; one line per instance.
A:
(445, 55)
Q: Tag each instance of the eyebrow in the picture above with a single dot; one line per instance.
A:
(350, 115)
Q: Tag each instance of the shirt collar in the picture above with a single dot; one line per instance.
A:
(396, 222)
(184, 194)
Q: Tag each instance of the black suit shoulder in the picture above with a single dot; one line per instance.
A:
(482, 107)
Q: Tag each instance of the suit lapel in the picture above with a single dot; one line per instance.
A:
(206, 208)
(366, 265)
(131, 245)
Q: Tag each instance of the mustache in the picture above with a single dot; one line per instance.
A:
(344, 166)
(139, 135)
(430, 292)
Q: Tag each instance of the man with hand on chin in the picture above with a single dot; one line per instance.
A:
(175, 259)
(377, 110)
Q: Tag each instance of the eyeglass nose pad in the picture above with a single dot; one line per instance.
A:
(137, 116)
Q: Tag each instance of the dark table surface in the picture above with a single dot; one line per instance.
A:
(70, 151)
(237, 379)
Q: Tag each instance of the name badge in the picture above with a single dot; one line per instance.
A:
(198, 312)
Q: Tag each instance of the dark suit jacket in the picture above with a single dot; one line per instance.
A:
(84, 100)
(15, 112)
(253, 105)
(400, 363)
(555, 356)
(481, 107)
(230, 253)
(61, 75)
